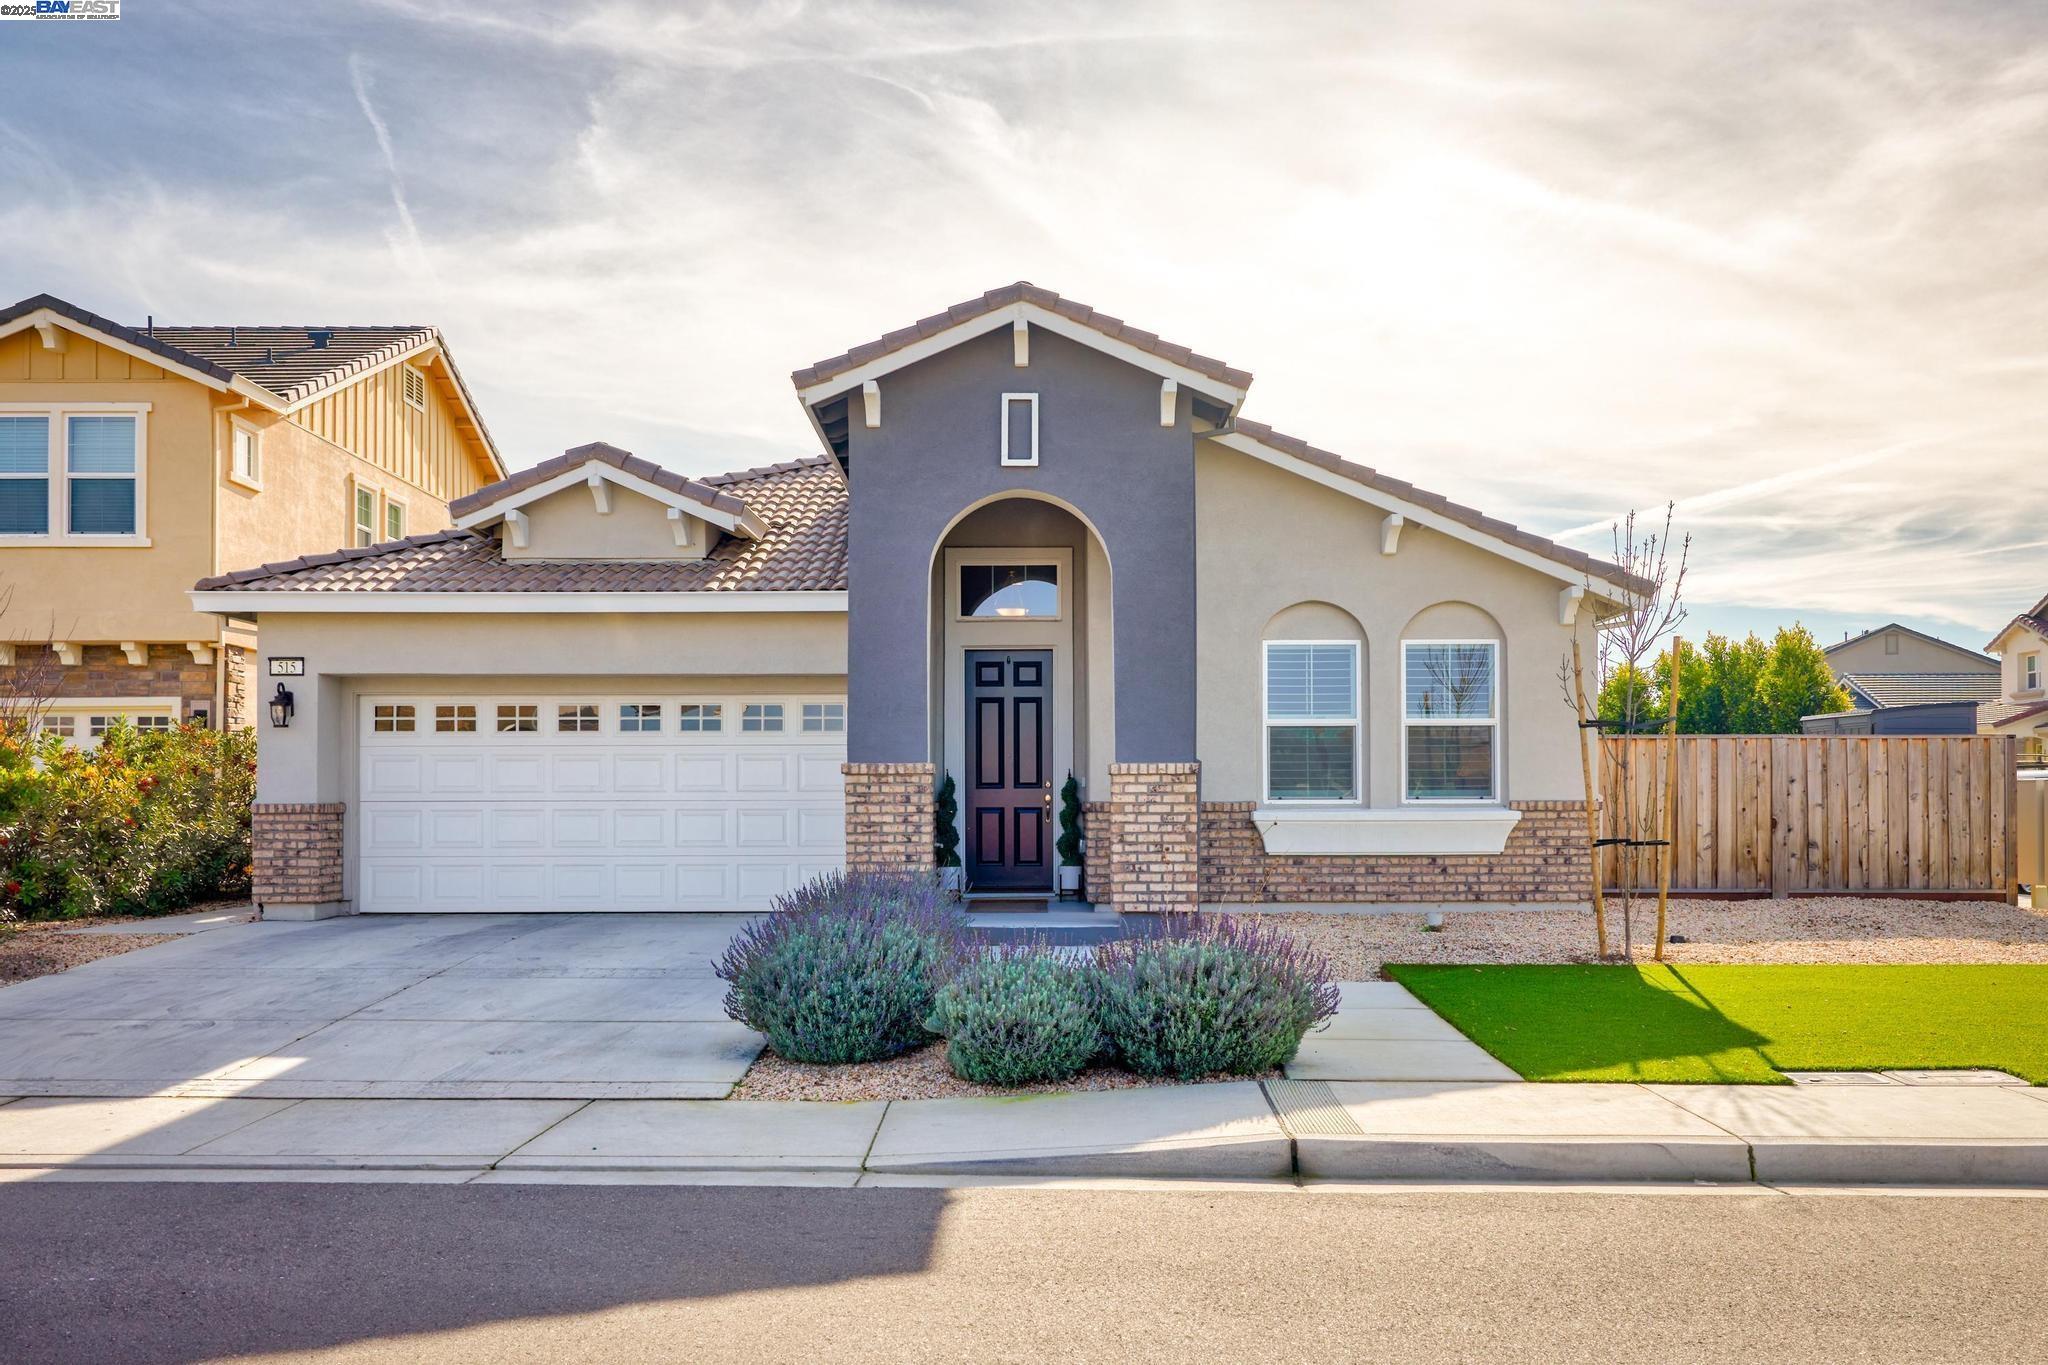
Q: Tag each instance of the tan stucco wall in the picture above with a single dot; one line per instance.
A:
(110, 594)
(1271, 540)
(567, 525)
(2012, 671)
(314, 759)
(1915, 656)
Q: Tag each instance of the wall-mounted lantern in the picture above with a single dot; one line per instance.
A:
(281, 708)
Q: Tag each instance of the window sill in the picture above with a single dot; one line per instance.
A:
(253, 485)
(76, 542)
(1405, 832)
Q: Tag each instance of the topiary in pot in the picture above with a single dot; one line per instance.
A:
(845, 967)
(1016, 1015)
(1069, 842)
(946, 834)
(1210, 994)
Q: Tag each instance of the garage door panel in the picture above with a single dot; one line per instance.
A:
(546, 819)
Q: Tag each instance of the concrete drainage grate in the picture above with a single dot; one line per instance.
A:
(1310, 1109)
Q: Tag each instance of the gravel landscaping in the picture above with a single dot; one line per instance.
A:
(31, 950)
(920, 1074)
(1848, 929)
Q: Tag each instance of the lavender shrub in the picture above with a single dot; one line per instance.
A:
(1210, 994)
(1017, 1015)
(844, 968)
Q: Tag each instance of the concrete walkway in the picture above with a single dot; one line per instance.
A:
(1288, 1129)
(1383, 1033)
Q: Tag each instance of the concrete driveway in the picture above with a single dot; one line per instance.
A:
(400, 1006)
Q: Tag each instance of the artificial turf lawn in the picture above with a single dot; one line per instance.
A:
(1742, 1023)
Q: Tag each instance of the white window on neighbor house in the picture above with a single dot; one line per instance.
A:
(518, 718)
(1450, 720)
(246, 465)
(394, 519)
(824, 717)
(156, 724)
(394, 719)
(415, 389)
(576, 718)
(639, 718)
(762, 717)
(1311, 720)
(366, 516)
(64, 727)
(2030, 672)
(69, 475)
(700, 717)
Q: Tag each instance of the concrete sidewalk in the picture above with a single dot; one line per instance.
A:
(1489, 1132)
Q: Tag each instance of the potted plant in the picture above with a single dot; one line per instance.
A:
(1069, 842)
(946, 837)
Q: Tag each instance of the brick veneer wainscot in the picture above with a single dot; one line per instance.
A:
(297, 852)
(1153, 863)
(889, 817)
(1545, 860)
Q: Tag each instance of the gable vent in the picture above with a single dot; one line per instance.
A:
(415, 388)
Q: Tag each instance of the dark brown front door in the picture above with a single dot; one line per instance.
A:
(1009, 791)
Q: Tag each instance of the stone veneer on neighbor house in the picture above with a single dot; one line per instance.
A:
(889, 817)
(297, 852)
(103, 671)
(1545, 860)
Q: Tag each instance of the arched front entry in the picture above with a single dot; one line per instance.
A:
(1020, 671)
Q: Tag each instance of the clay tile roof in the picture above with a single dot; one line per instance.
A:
(599, 453)
(803, 549)
(1443, 506)
(1919, 689)
(1021, 292)
(2032, 621)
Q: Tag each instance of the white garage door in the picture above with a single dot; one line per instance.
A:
(601, 802)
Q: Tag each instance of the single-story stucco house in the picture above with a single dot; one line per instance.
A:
(1038, 542)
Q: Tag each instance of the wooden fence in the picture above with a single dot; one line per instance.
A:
(1799, 814)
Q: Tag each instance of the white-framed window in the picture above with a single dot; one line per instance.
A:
(415, 389)
(1311, 720)
(824, 717)
(455, 718)
(73, 472)
(518, 718)
(392, 719)
(366, 516)
(576, 718)
(1450, 720)
(1020, 429)
(761, 718)
(245, 464)
(700, 717)
(64, 727)
(394, 519)
(2030, 672)
(639, 717)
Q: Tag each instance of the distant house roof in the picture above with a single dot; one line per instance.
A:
(1905, 630)
(284, 367)
(1996, 713)
(802, 548)
(2033, 620)
(1881, 690)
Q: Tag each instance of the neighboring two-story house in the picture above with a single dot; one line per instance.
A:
(135, 460)
(1903, 681)
(2022, 707)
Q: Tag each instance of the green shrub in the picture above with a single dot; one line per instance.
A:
(844, 969)
(1208, 995)
(1016, 1015)
(142, 824)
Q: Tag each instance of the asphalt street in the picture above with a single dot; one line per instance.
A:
(123, 1272)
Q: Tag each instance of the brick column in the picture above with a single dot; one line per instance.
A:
(1098, 827)
(1154, 863)
(889, 817)
(297, 862)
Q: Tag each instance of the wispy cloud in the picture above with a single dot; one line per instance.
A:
(1783, 265)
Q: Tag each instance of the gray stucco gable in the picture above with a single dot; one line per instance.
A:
(1102, 453)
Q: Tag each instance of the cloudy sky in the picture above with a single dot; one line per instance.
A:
(1786, 264)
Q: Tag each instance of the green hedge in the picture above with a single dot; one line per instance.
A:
(144, 824)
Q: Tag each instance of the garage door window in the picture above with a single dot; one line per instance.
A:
(455, 720)
(824, 718)
(391, 720)
(639, 717)
(700, 717)
(764, 717)
(576, 718)
(518, 720)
